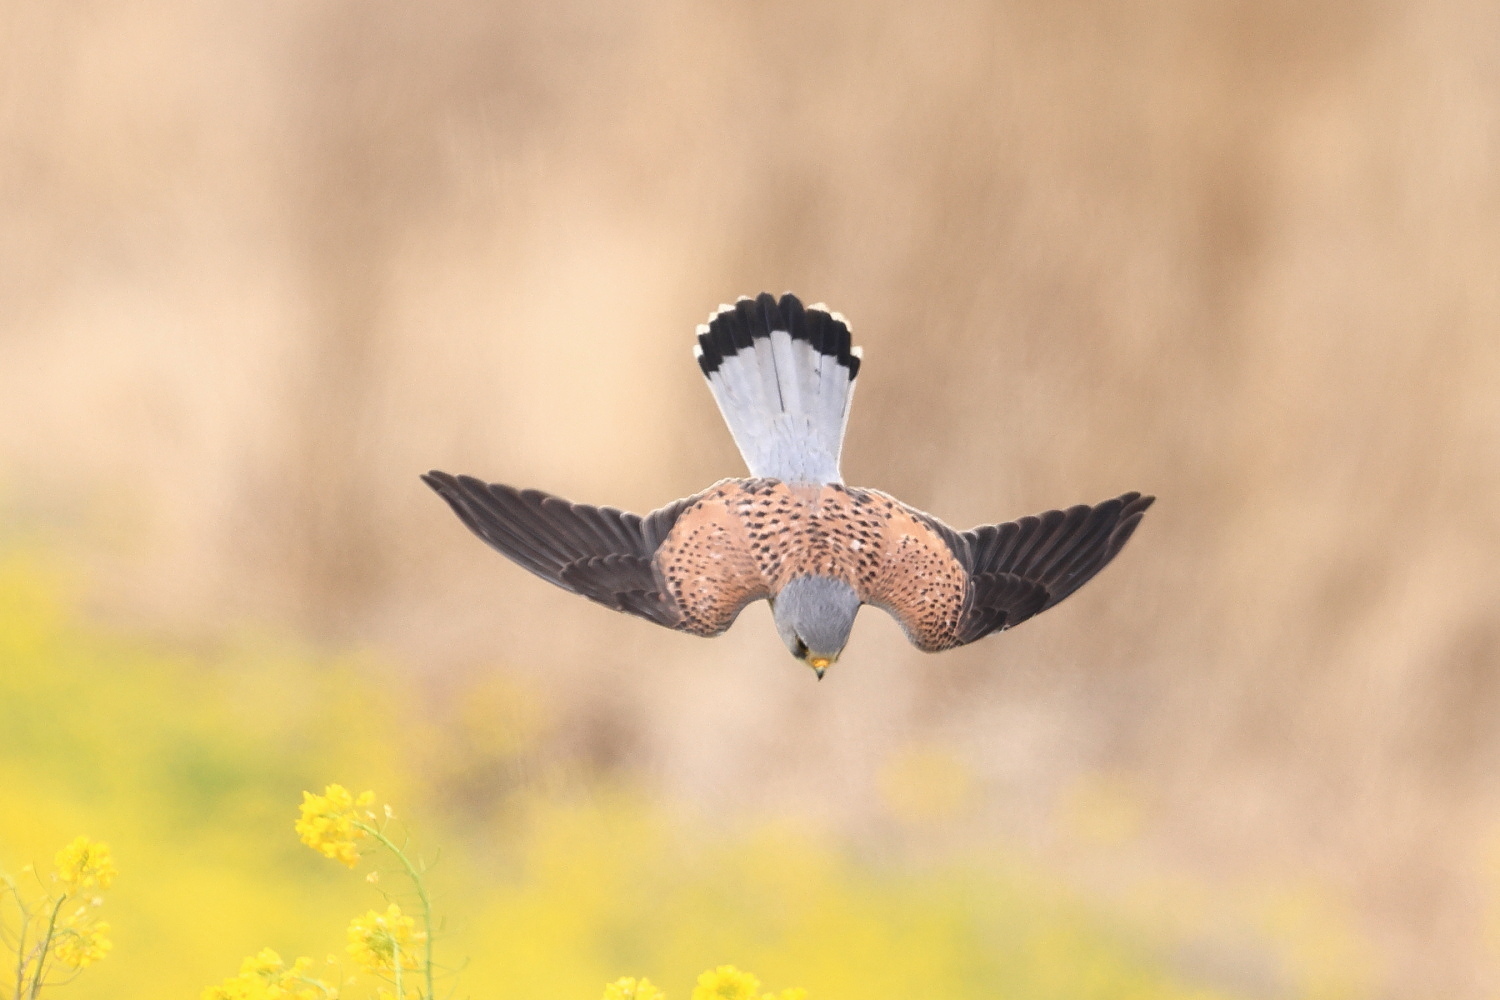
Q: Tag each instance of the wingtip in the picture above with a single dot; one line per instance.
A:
(1130, 519)
(1133, 501)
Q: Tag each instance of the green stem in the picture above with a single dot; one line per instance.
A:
(21, 954)
(416, 880)
(316, 984)
(41, 958)
(20, 936)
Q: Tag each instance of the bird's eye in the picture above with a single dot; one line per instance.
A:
(801, 649)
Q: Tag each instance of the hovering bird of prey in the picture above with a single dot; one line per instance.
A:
(793, 533)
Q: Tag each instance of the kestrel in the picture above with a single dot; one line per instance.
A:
(793, 533)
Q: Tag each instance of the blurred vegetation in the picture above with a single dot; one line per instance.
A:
(191, 765)
(260, 264)
(50, 920)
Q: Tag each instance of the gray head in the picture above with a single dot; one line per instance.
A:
(814, 615)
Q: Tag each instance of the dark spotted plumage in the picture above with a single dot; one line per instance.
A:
(694, 564)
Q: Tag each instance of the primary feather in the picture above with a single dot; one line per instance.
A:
(783, 376)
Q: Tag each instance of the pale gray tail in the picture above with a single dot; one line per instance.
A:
(783, 376)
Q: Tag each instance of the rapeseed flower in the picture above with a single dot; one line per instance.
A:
(378, 941)
(82, 946)
(264, 976)
(726, 983)
(630, 988)
(263, 964)
(333, 822)
(85, 863)
(386, 944)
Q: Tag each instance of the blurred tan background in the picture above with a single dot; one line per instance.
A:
(262, 264)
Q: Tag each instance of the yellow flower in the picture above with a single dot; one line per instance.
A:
(82, 946)
(792, 993)
(726, 983)
(327, 822)
(264, 963)
(376, 939)
(632, 989)
(263, 976)
(296, 984)
(85, 863)
(233, 989)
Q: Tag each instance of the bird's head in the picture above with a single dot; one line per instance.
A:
(814, 615)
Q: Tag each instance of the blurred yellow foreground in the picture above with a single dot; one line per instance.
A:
(191, 766)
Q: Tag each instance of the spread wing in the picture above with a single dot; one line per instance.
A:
(604, 554)
(1022, 568)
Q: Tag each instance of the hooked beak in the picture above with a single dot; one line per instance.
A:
(819, 664)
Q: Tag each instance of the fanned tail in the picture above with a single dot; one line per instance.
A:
(783, 376)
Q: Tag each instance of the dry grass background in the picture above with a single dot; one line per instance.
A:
(262, 264)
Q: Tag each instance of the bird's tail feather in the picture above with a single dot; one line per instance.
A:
(783, 376)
